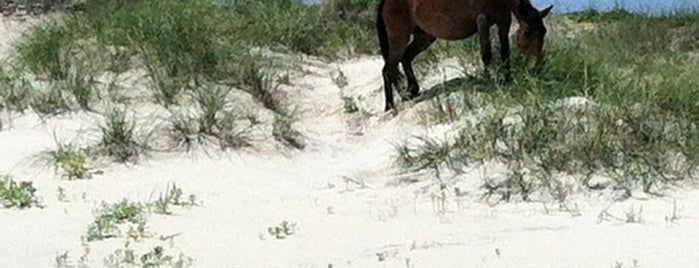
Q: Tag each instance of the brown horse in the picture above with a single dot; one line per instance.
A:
(427, 20)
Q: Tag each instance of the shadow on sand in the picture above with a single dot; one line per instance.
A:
(473, 83)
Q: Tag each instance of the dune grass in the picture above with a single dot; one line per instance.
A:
(634, 119)
(636, 72)
(180, 43)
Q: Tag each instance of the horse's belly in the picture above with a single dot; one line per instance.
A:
(451, 30)
(450, 21)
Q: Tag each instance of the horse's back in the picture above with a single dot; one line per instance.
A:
(454, 19)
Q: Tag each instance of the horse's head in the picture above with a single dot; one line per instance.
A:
(530, 34)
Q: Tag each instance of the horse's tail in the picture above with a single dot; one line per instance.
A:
(381, 30)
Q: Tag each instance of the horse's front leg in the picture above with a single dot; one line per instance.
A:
(484, 38)
(504, 36)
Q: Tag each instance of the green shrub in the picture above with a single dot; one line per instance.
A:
(19, 195)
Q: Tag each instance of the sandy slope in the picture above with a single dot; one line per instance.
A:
(340, 223)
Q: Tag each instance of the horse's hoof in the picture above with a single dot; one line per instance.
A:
(410, 96)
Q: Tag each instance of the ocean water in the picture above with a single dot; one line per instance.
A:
(641, 6)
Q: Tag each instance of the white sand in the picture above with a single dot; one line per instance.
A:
(339, 223)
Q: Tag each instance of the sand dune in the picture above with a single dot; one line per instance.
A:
(377, 222)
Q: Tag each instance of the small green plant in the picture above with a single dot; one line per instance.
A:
(109, 215)
(71, 160)
(283, 230)
(350, 105)
(118, 137)
(19, 195)
(172, 196)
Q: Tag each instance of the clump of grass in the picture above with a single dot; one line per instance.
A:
(212, 102)
(43, 50)
(215, 119)
(71, 160)
(118, 139)
(183, 129)
(55, 54)
(19, 195)
(109, 215)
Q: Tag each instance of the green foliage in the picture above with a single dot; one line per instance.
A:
(592, 15)
(71, 160)
(19, 195)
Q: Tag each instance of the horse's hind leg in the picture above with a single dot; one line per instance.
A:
(421, 41)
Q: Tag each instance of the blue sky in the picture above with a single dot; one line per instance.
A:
(652, 6)
(646, 6)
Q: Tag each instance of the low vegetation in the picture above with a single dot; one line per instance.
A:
(190, 51)
(112, 219)
(128, 220)
(636, 123)
(608, 101)
(109, 215)
(156, 257)
(17, 194)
